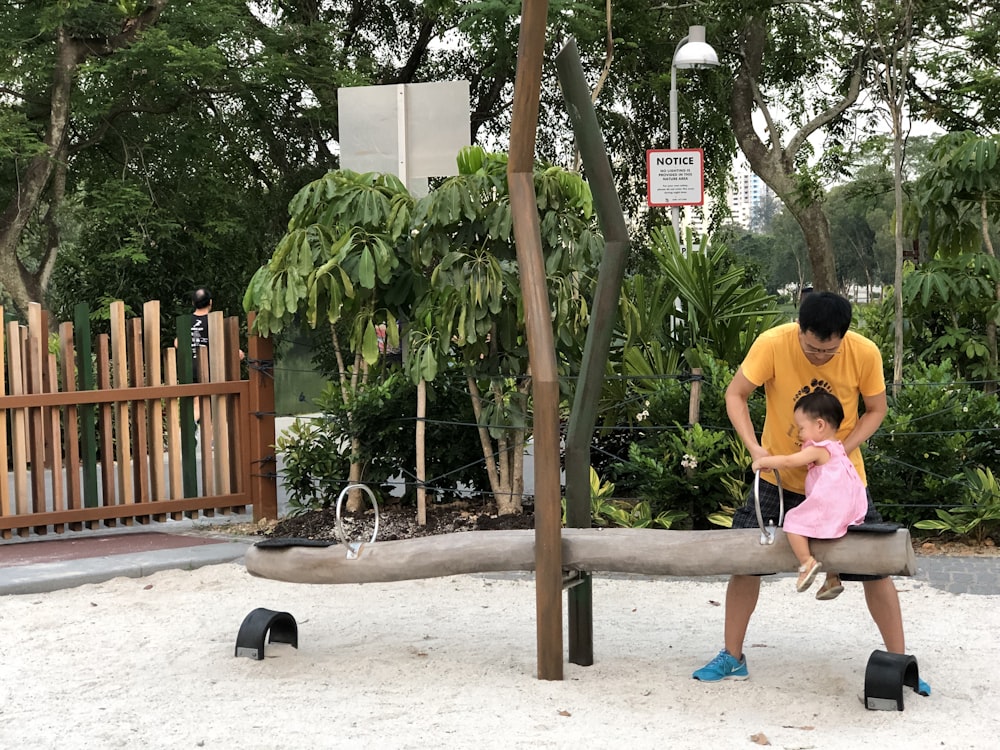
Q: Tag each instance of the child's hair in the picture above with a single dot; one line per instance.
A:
(821, 404)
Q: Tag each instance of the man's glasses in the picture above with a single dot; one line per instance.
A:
(809, 349)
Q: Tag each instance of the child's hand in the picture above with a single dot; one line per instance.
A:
(756, 465)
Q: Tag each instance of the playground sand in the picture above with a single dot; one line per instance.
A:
(451, 662)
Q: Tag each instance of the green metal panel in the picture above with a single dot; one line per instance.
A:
(185, 374)
(88, 412)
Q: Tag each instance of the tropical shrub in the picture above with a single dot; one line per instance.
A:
(700, 470)
(687, 471)
(947, 306)
(379, 420)
(935, 429)
(979, 514)
(605, 510)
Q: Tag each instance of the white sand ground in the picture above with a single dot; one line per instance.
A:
(451, 663)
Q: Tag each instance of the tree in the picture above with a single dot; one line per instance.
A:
(472, 313)
(959, 197)
(339, 266)
(360, 253)
(860, 214)
(68, 36)
(185, 126)
(960, 87)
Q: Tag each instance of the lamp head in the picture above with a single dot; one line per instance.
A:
(696, 52)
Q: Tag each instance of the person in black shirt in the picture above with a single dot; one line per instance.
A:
(202, 301)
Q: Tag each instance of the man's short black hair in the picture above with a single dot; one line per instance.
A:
(825, 314)
(201, 298)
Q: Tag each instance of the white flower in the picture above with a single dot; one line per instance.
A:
(644, 414)
(689, 462)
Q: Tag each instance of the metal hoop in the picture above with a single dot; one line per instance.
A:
(767, 532)
(353, 548)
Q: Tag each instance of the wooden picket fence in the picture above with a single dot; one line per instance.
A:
(103, 433)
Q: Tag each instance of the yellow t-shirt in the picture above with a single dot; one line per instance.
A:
(777, 362)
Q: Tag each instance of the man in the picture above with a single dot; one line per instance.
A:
(202, 301)
(790, 361)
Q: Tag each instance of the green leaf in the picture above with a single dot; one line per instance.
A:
(366, 269)
(369, 344)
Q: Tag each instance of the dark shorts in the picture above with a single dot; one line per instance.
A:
(746, 517)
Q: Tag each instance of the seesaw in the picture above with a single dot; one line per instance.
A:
(641, 551)
(879, 549)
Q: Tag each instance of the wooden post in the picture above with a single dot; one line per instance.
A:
(71, 442)
(236, 436)
(174, 457)
(36, 427)
(541, 346)
(154, 407)
(140, 430)
(263, 480)
(694, 405)
(6, 508)
(53, 439)
(105, 420)
(220, 404)
(119, 380)
(19, 421)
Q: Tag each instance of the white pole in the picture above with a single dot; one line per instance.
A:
(675, 211)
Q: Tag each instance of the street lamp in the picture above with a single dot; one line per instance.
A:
(692, 52)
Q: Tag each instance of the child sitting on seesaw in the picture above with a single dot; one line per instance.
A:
(835, 495)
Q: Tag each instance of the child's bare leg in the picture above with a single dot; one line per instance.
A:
(800, 546)
(832, 579)
(807, 564)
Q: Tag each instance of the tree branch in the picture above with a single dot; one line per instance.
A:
(831, 113)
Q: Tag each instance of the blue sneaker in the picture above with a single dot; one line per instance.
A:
(723, 667)
(923, 688)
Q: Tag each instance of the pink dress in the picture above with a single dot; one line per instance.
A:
(835, 497)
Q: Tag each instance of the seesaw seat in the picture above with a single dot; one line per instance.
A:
(618, 550)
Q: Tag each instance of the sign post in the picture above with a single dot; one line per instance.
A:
(675, 177)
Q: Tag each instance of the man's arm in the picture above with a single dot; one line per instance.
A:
(876, 407)
(737, 396)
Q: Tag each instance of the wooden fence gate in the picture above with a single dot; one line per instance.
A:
(103, 433)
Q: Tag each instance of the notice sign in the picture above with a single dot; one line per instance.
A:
(675, 177)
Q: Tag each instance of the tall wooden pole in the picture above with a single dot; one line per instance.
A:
(541, 347)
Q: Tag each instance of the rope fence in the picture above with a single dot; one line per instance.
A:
(625, 414)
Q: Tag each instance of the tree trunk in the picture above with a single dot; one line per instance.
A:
(819, 243)
(25, 286)
(774, 162)
(505, 461)
(18, 281)
(991, 326)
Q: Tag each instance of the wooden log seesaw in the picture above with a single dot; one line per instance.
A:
(871, 549)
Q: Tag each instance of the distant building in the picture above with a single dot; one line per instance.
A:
(751, 201)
